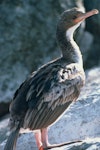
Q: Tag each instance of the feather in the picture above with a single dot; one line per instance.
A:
(51, 93)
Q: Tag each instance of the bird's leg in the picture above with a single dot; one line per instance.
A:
(46, 145)
(38, 139)
(44, 136)
(41, 137)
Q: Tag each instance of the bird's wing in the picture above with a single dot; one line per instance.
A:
(50, 83)
(51, 92)
(70, 80)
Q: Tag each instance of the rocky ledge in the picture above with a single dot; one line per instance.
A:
(80, 122)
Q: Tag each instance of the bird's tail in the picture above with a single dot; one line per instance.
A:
(11, 142)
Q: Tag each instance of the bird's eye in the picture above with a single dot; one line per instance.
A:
(74, 17)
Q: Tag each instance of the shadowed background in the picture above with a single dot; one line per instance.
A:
(28, 39)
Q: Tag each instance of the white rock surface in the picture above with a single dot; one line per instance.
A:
(81, 121)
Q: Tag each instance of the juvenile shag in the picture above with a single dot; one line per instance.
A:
(49, 91)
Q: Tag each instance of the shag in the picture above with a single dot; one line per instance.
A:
(48, 92)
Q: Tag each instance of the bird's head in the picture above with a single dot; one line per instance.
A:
(73, 18)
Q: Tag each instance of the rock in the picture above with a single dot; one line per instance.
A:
(24, 143)
(85, 43)
(27, 40)
(80, 122)
(93, 26)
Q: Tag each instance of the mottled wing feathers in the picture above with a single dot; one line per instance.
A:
(46, 94)
(53, 83)
(40, 84)
(51, 92)
(38, 119)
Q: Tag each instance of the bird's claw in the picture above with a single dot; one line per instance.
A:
(41, 148)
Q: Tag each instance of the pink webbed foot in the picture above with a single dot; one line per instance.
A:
(41, 148)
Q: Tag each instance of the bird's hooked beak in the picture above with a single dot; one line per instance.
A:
(83, 16)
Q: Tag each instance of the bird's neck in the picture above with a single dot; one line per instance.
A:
(70, 49)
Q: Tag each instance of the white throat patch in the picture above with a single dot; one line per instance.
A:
(70, 31)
